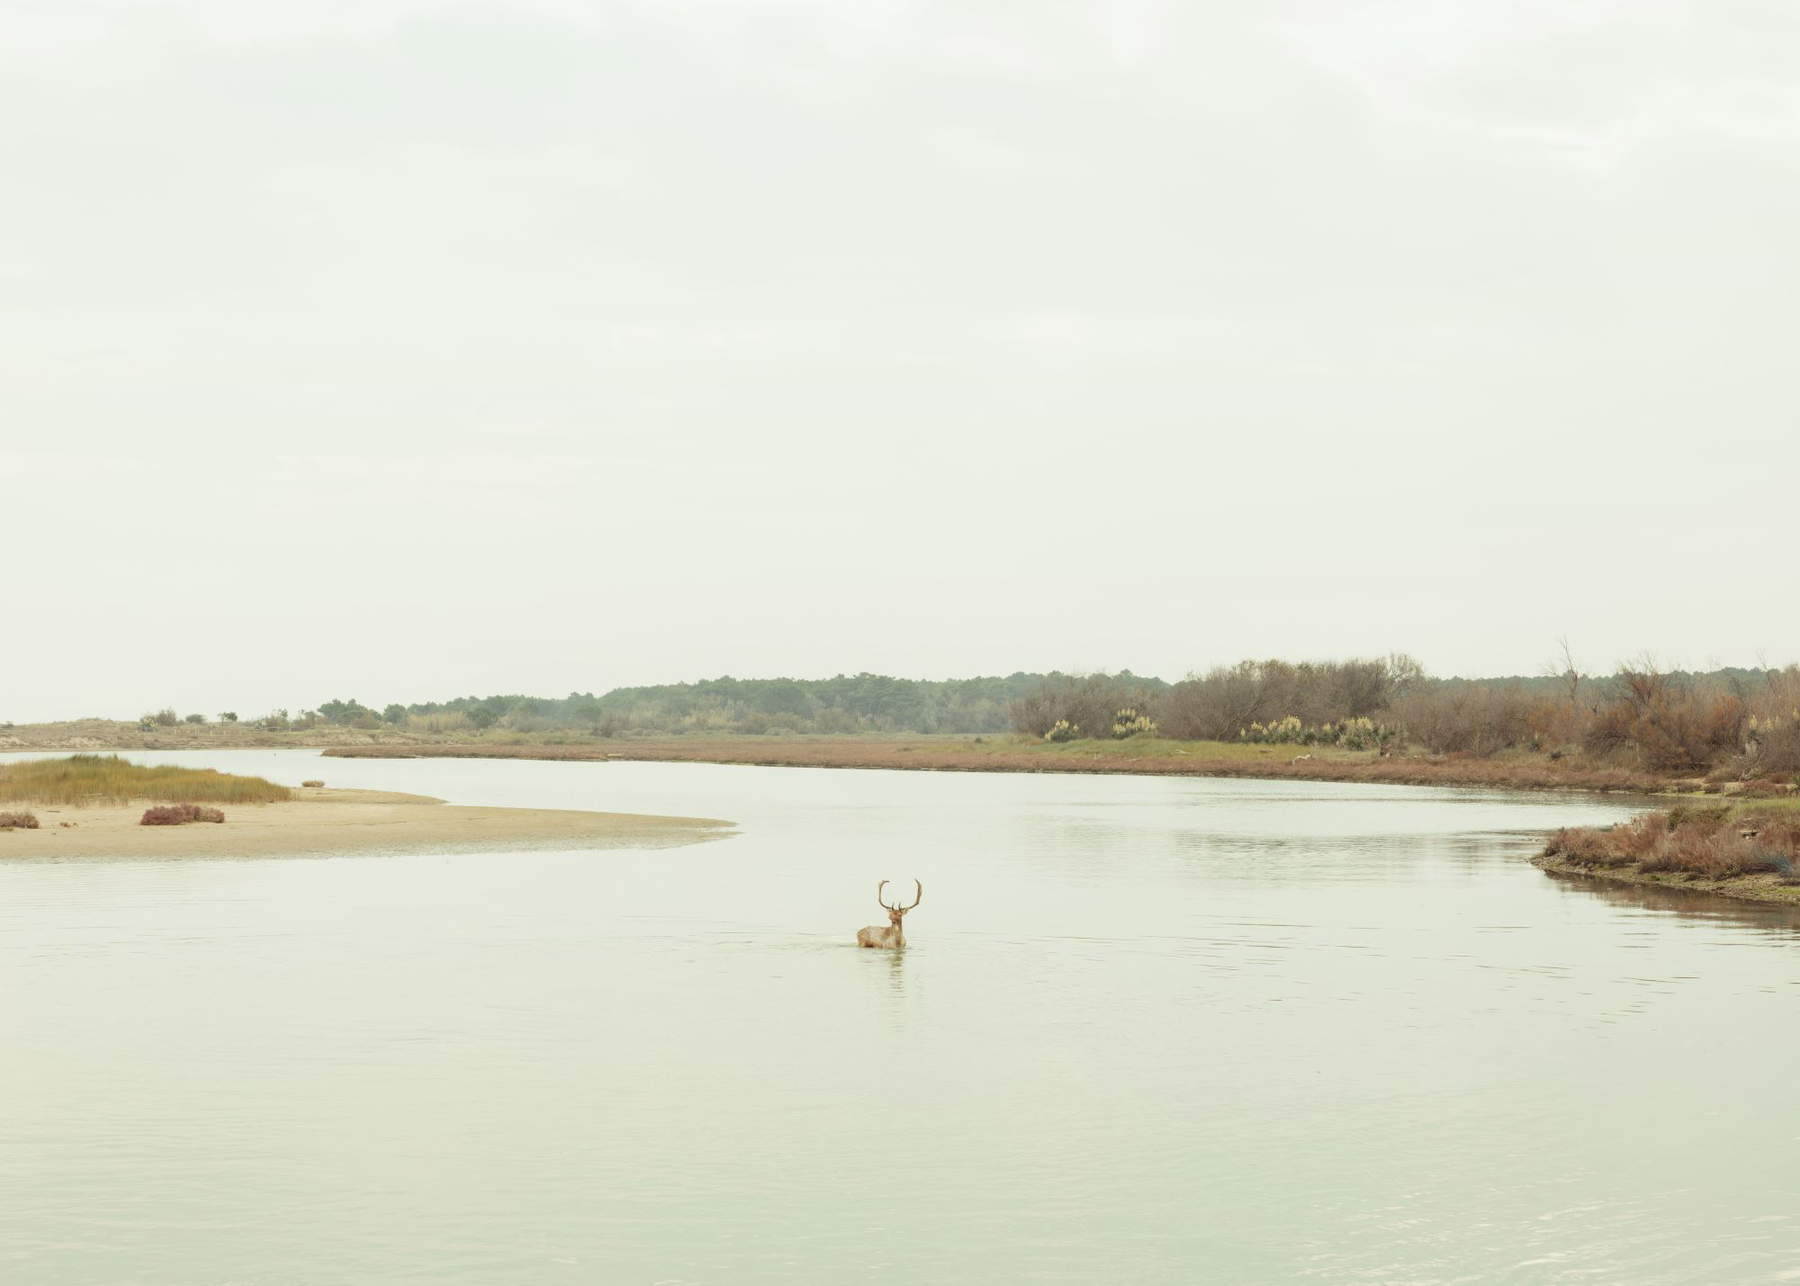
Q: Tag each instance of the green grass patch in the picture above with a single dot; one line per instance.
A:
(108, 779)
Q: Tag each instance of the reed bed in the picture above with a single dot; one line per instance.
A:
(108, 779)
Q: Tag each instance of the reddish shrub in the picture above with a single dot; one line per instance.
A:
(1616, 846)
(179, 814)
(20, 821)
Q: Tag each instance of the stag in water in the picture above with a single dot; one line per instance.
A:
(891, 937)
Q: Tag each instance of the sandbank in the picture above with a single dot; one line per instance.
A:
(325, 822)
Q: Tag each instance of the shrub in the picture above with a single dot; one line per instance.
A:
(1674, 726)
(1696, 815)
(1701, 843)
(1129, 723)
(1088, 705)
(441, 721)
(1772, 746)
(195, 718)
(1471, 718)
(19, 821)
(1216, 705)
(1062, 730)
(179, 815)
(314, 782)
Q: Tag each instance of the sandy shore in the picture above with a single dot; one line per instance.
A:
(328, 822)
(1746, 888)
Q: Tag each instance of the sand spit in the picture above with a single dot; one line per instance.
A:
(326, 822)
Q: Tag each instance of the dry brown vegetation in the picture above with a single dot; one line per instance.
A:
(179, 815)
(1719, 843)
(18, 821)
(91, 779)
(1733, 726)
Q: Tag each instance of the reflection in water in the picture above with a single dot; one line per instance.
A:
(1145, 1030)
(1693, 904)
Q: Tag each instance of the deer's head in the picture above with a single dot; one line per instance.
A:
(897, 912)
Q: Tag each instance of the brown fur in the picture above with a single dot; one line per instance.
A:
(893, 936)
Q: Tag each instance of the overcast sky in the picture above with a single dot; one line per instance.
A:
(398, 349)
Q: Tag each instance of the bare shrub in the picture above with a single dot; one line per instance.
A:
(1674, 724)
(1087, 705)
(1471, 718)
(1221, 704)
(179, 815)
(18, 821)
(1771, 747)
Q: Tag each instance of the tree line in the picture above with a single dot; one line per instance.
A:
(843, 705)
(1743, 722)
(1663, 719)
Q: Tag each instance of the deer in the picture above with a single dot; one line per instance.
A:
(890, 937)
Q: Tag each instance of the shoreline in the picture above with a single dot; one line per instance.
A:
(1222, 760)
(1764, 889)
(322, 822)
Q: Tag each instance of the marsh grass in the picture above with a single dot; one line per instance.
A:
(108, 779)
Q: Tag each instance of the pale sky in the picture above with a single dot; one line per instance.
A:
(398, 349)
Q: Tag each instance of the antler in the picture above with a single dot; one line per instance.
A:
(896, 907)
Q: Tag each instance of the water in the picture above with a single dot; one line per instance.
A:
(1147, 1030)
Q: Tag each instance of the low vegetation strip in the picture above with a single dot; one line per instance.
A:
(1745, 850)
(108, 779)
(1145, 756)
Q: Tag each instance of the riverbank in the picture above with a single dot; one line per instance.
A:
(327, 822)
(1746, 851)
(1153, 756)
(1145, 756)
(1747, 888)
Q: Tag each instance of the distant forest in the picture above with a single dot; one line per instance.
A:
(849, 703)
(1663, 718)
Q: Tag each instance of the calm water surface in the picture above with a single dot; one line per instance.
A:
(1148, 1030)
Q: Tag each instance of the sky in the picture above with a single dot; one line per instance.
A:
(401, 349)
